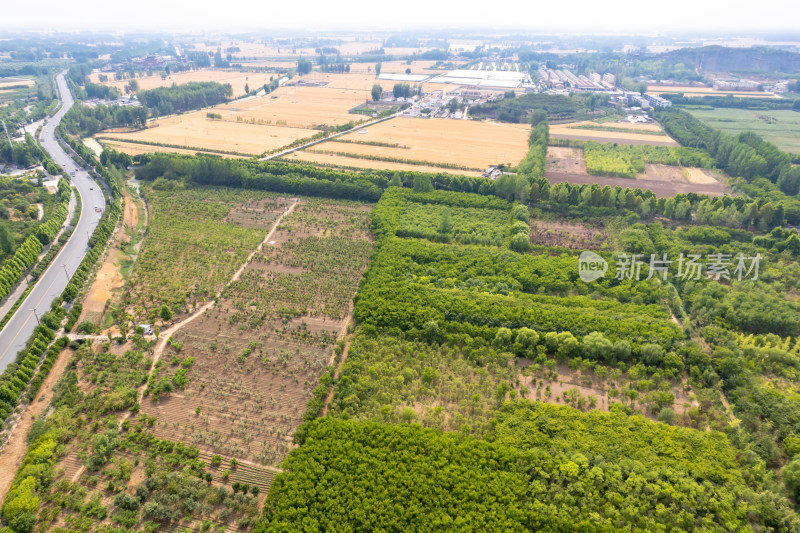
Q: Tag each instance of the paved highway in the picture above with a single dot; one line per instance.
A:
(16, 333)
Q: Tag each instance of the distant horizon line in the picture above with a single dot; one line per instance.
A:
(10, 28)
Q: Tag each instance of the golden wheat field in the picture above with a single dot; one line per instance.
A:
(339, 161)
(356, 81)
(133, 149)
(298, 107)
(569, 131)
(194, 131)
(5, 83)
(459, 142)
(237, 80)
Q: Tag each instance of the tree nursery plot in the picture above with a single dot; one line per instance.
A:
(193, 246)
(241, 375)
(84, 471)
(701, 481)
(459, 224)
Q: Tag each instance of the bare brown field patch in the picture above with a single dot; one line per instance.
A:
(109, 281)
(567, 234)
(699, 175)
(633, 127)
(567, 164)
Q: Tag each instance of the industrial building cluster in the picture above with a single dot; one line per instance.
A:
(564, 79)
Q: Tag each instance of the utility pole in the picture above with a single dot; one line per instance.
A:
(37, 316)
(65, 271)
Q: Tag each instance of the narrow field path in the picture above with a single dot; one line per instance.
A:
(328, 138)
(167, 333)
(342, 335)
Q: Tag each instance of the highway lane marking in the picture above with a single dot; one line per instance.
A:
(51, 146)
(14, 338)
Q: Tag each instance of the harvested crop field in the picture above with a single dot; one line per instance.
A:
(298, 107)
(343, 162)
(569, 131)
(132, 148)
(464, 143)
(254, 359)
(237, 80)
(630, 127)
(195, 131)
(8, 83)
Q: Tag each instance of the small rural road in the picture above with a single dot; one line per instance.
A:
(50, 285)
(329, 137)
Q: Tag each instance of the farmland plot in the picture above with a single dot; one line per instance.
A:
(568, 164)
(333, 160)
(197, 239)
(568, 234)
(464, 143)
(103, 465)
(196, 132)
(298, 107)
(237, 80)
(622, 133)
(244, 371)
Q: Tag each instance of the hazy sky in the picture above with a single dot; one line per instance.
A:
(533, 15)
